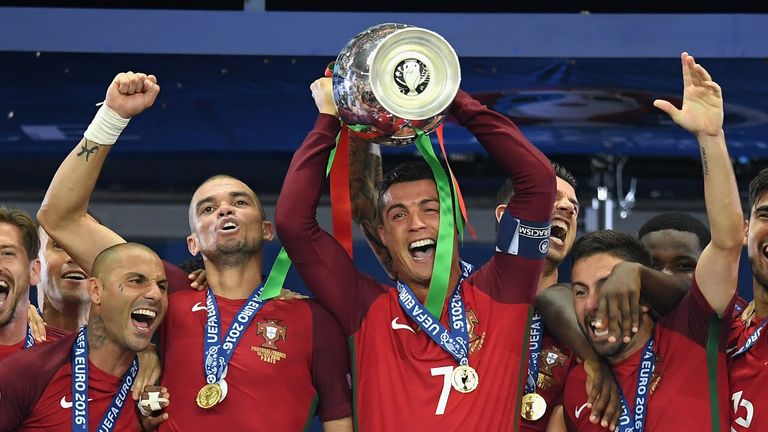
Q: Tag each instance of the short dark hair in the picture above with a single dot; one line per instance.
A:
(191, 211)
(757, 187)
(23, 221)
(617, 244)
(679, 222)
(403, 173)
(508, 188)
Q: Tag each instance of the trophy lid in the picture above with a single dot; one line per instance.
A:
(414, 73)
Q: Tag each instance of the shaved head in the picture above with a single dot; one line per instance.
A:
(107, 259)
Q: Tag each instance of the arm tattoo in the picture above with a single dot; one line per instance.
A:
(364, 175)
(704, 165)
(97, 332)
(84, 150)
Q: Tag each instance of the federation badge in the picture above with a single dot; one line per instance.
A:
(464, 379)
(272, 332)
(475, 340)
(550, 358)
(533, 407)
(209, 396)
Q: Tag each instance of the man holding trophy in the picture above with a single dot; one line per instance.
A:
(412, 368)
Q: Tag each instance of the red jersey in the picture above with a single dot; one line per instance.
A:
(554, 363)
(51, 334)
(401, 376)
(55, 333)
(747, 373)
(291, 361)
(6, 350)
(42, 401)
(680, 389)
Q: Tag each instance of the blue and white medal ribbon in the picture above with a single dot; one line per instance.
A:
(533, 406)
(636, 422)
(455, 341)
(29, 341)
(216, 355)
(80, 388)
(751, 340)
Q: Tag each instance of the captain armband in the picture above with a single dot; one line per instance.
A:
(523, 238)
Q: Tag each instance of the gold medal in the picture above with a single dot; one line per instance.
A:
(464, 379)
(534, 406)
(209, 396)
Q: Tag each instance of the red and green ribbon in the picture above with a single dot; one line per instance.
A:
(341, 210)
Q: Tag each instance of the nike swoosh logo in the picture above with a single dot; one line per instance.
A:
(197, 307)
(66, 405)
(580, 409)
(397, 326)
(730, 350)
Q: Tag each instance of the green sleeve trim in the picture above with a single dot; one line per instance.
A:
(713, 349)
(311, 414)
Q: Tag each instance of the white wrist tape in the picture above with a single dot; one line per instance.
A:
(152, 403)
(106, 126)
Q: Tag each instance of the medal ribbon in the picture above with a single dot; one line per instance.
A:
(282, 263)
(441, 270)
(454, 341)
(535, 340)
(636, 422)
(458, 197)
(80, 388)
(751, 340)
(29, 341)
(216, 355)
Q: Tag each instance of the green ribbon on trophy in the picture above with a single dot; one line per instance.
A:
(282, 263)
(450, 220)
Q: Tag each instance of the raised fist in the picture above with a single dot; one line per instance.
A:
(131, 93)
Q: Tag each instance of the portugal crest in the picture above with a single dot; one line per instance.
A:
(272, 332)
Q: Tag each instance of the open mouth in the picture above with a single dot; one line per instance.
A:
(228, 227)
(765, 250)
(4, 290)
(559, 231)
(143, 319)
(597, 334)
(422, 249)
(75, 275)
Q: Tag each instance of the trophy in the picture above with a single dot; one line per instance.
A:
(395, 79)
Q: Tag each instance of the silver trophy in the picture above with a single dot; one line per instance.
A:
(393, 79)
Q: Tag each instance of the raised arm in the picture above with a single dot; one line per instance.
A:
(702, 115)
(322, 263)
(63, 213)
(364, 177)
(523, 233)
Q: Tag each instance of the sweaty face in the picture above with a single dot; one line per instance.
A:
(588, 275)
(61, 280)
(757, 240)
(134, 299)
(410, 223)
(16, 273)
(226, 221)
(673, 252)
(565, 213)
